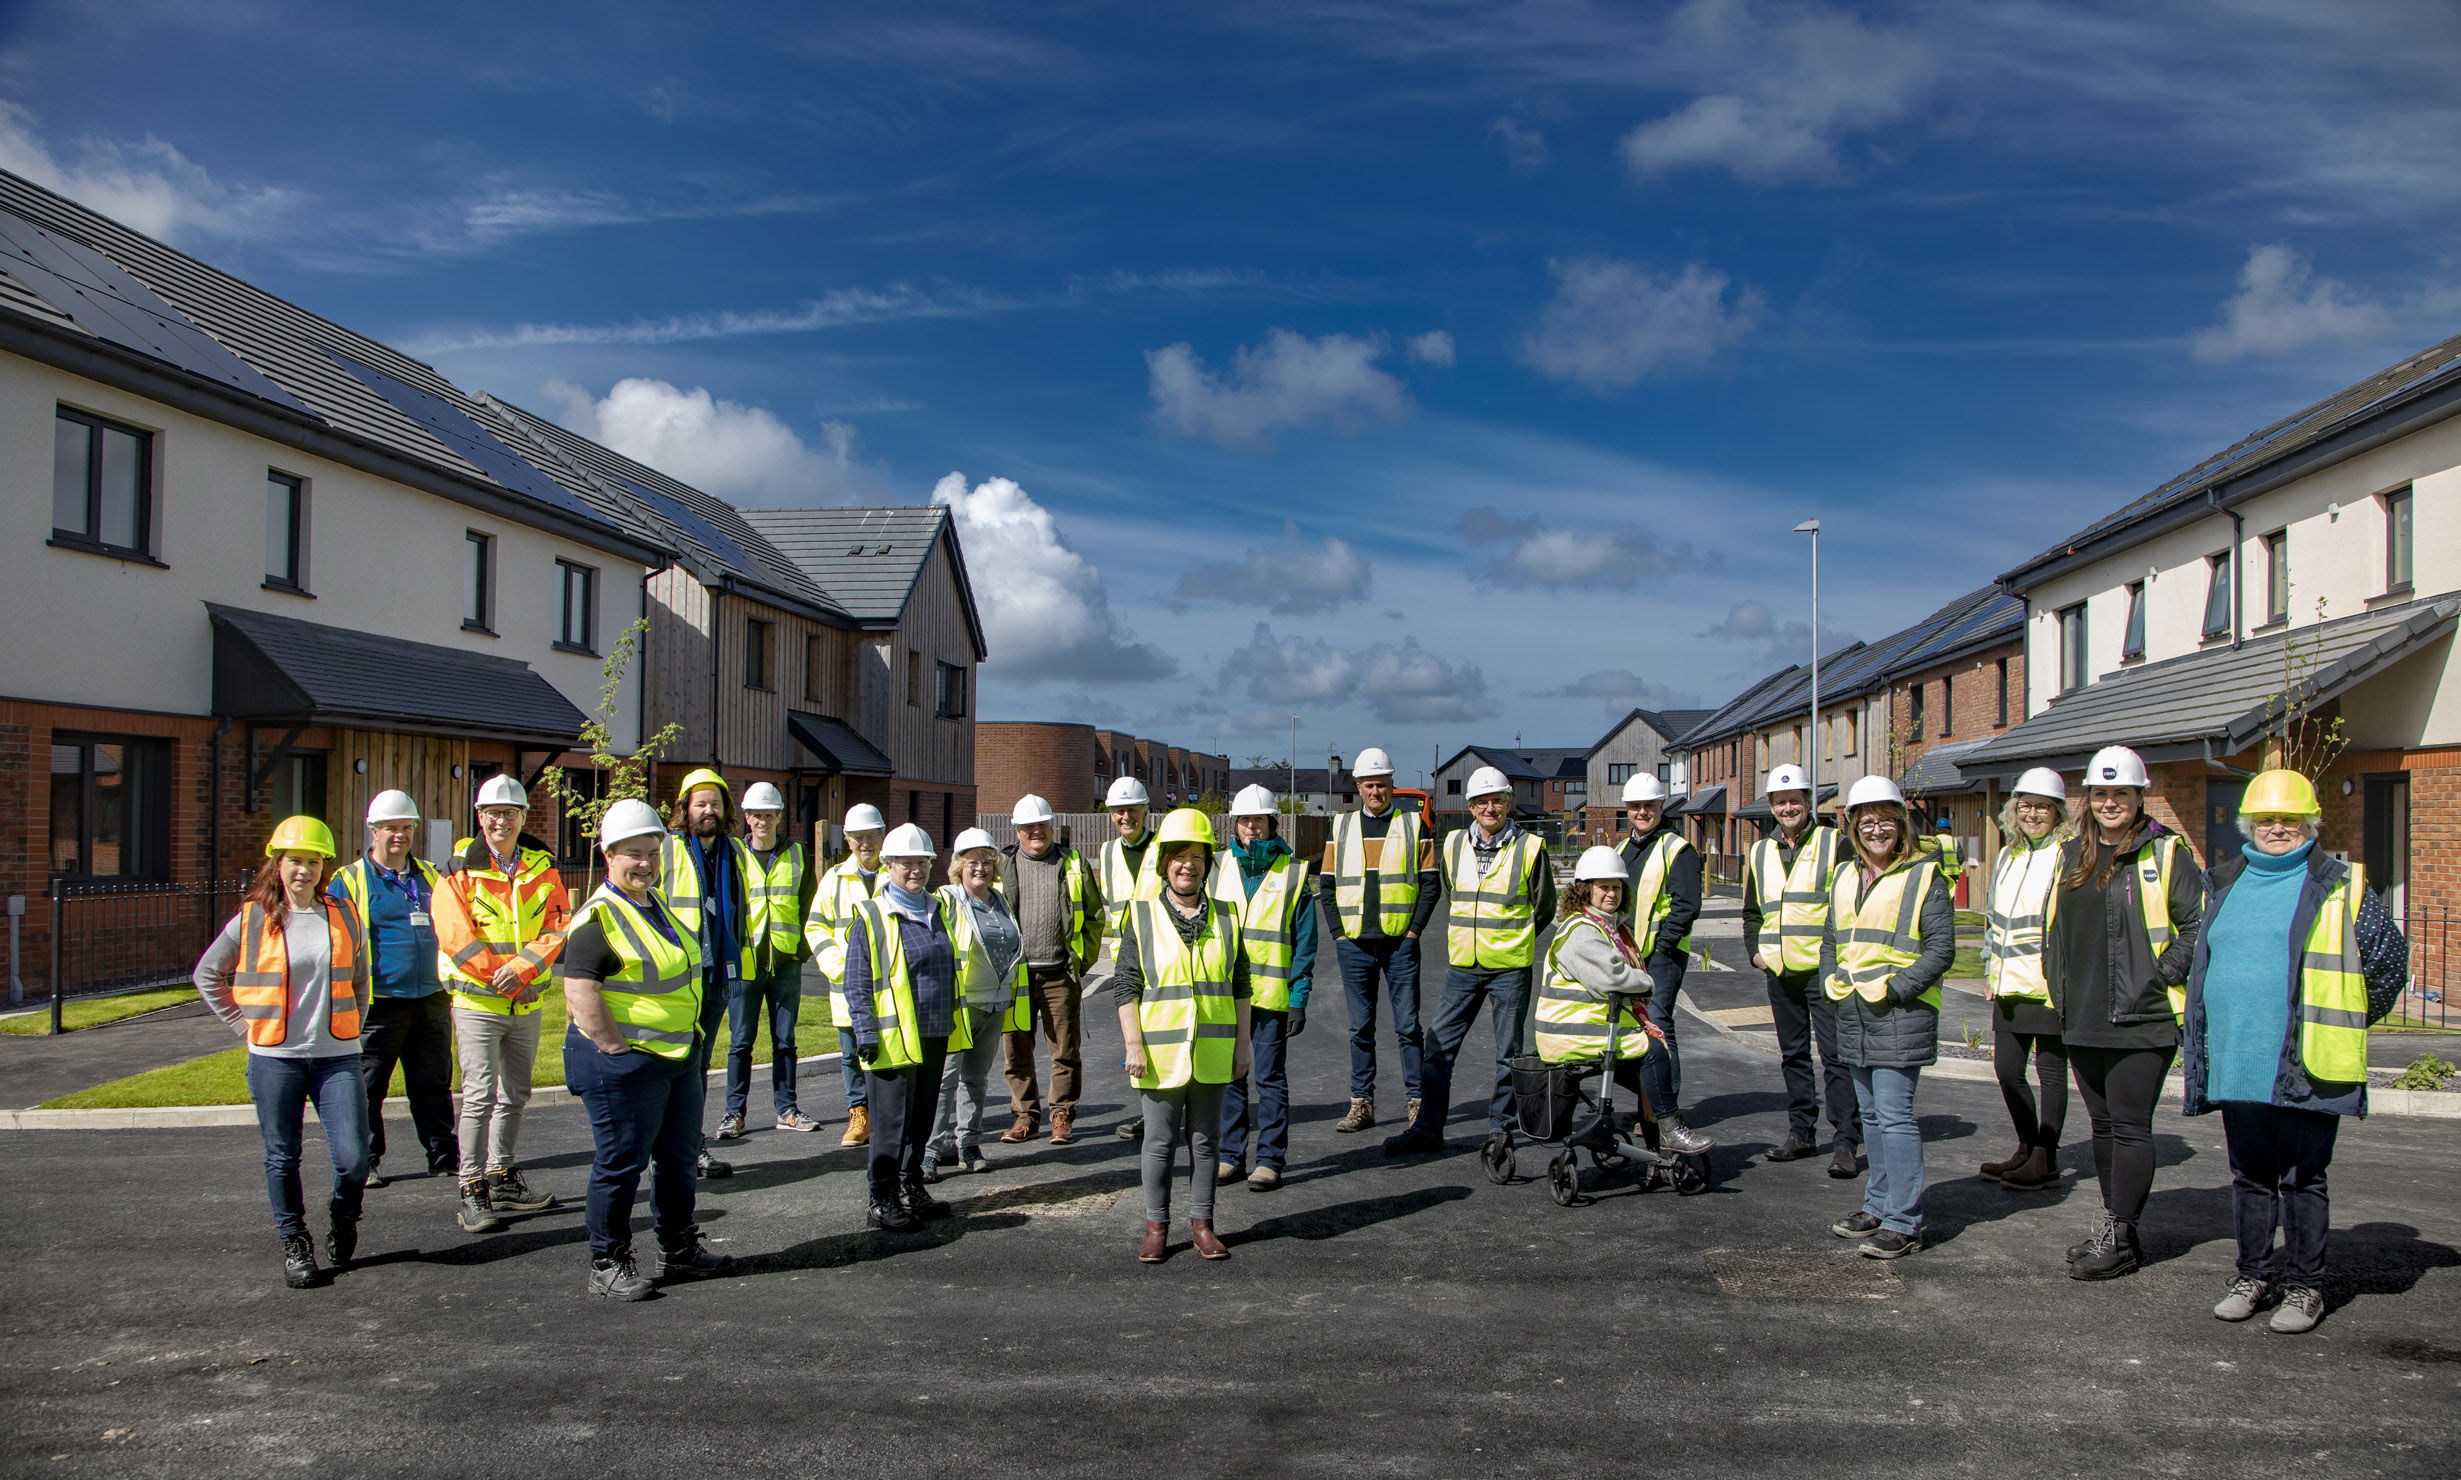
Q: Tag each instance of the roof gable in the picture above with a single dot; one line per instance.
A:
(870, 560)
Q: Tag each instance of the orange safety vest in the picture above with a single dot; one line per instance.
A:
(262, 985)
(486, 921)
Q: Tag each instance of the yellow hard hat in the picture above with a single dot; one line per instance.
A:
(698, 779)
(2281, 794)
(301, 834)
(1185, 825)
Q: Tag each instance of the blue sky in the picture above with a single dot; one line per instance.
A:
(1438, 373)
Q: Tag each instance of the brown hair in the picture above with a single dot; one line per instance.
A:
(1579, 894)
(2088, 844)
(1905, 834)
(265, 890)
(679, 812)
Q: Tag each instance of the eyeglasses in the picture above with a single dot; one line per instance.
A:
(2271, 824)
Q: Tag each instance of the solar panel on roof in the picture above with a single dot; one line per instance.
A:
(688, 519)
(474, 443)
(105, 301)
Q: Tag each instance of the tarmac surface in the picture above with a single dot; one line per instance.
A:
(1377, 1317)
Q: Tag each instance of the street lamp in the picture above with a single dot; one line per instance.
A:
(1811, 751)
(1290, 788)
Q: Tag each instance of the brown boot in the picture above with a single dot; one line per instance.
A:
(858, 1127)
(1200, 1232)
(1020, 1130)
(2039, 1169)
(1362, 1115)
(1063, 1127)
(1157, 1243)
(1998, 1169)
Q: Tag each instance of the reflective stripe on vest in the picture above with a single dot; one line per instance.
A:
(1645, 879)
(1396, 892)
(1493, 917)
(826, 929)
(2014, 919)
(2333, 988)
(509, 915)
(774, 895)
(1186, 1014)
(893, 1012)
(654, 996)
(978, 986)
(1570, 1021)
(1119, 887)
(261, 984)
(1879, 933)
(1795, 899)
(1267, 923)
(680, 878)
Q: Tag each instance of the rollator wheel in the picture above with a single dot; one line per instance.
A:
(1564, 1179)
(1692, 1173)
(1498, 1156)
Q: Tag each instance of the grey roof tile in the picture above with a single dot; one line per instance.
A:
(868, 559)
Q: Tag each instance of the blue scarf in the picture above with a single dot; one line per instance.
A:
(915, 907)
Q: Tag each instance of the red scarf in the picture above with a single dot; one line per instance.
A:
(1616, 931)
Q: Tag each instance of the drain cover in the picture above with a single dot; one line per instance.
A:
(1799, 1274)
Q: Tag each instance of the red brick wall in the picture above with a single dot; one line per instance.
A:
(1054, 761)
(1971, 709)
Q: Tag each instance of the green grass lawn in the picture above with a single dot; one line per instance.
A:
(222, 1078)
(93, 1012)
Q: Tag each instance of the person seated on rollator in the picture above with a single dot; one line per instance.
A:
(1592, 962)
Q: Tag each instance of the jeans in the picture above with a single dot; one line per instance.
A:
(717, 990)
(1506, 995)
(1192, 1111)
(2278, 1155)
(1893, 1193)
(416, 1033)
(281, 1089)
(1397, 958)
(2008, 1053)
(498, 1051)
(902, 1101)
(957, 1130)
(1268, 1112)
(1804, 1017)
(1666, 984)
(779, 991)
(645, 1115)
(1058, 1010)
(850, 1069)
(2120, 1086)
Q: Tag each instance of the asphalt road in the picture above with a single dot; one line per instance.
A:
(1378, 1317)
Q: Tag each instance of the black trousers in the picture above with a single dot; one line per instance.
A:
(2008, 1052)
(1803, 1015)
(417, 1034)
(2121, 1086)
(903, 1102)
(2277, 1160)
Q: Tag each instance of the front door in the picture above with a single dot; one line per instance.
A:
(2384, 845)
(2222, 835)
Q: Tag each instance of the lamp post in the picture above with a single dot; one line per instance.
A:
(1811, 750)
(1290, 789)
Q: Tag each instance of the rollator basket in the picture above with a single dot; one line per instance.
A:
(1547, 1097)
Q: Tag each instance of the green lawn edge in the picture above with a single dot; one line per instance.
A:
(93, 1012)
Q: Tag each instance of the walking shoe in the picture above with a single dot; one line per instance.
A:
(1227, 1171)
(1681, 1139)
(376, 1178)
(2099, 1238)
(931, 1170)
(616, 1277)
(1157, 1245)
(858, 1127)
(891, 1217)
(1264, 1179)
(922, 1204)
(2247, 1296)
(1019, 1131)
(710, 1167)
(1890, 1244)
(1793, 1148)
(478, 1214)
(1857, 1224)
(2118, 1255)
(690, 1259)
(1064, 1127)
(976, 1162)
(1129, 1130)
(1409, 1111)
(2039, 1170)
(299, 1261)
(1362, 1115)
(507, 1193)
(341, 1241)
(795, 1120)
(2300, 1309)
(730, 1128)
(1418, 1140)
(1842, 1164)
(1200, 1232)
(1998, 1169)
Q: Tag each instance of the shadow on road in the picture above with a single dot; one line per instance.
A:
(1349, 1217)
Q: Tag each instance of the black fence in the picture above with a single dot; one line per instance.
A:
(2429, 999)
(113, 937)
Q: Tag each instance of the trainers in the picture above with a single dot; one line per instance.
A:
(1681, 1139)
(796, 1120)
(2247, 1296)
(689, 1260)
(731, 1127)
(2300, 1309)
(710, 1167)
(1064, 1127)
(858, 1127)
(1020, 1131)
(616, 1278)
(1857, 1224)
(1228, 1171)
(299, 1261)
(1890, 1244)
(1362, 1115)
(376, 1179)
(976, 1163)
(477, 1214)
(1842, 1163)
(341, 1241)
(507, 1193)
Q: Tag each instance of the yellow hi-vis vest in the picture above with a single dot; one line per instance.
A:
(2156, 864)
(1396, 888)
(353, 877)
(775, 897)
(1794, 902)
(2014, 917)
(2333, 988)
(1493, 917)
(1187, 1015)
(1570, 1023)
(655, 995)
(978, 986)
(1952, 863)
(680, 878)
(1084, 930)
(1120, 887)
(1268, 922)
(893, 1014)
(1645, 896)
(1879, 929)
(830, 923)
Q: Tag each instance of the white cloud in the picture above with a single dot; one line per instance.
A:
(1435, 347)
(1529, 553)
(149, 186)
(1401, 685)
(1524, 147)
(1289, 381)
(743, 454)
(1769, 641)
(1612, 323)
(1620, 687)
(1291, 576)
(1045, 613)
(1798, 82)
(2281, 306)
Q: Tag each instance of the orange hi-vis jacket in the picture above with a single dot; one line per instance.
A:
(261, 983)
(486, 921)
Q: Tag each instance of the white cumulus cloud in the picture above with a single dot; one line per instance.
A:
(743, 454)
(1527, 552)
(1292, 576)
(148, 185)
(1045, 613)
(1290, 381)
(1400, 685)
(1435, 347)
(1612, 323)
(2281, 305)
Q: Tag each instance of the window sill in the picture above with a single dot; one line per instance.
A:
(2212, 640)
(760, 688)
(481, 628)
(2394, 597)
(2278, 624)
(2131, 660)
(287, 589)
(108, 552)
(576, 648)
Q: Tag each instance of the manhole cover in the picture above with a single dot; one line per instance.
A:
(1796, 1274)
(1045, 1200)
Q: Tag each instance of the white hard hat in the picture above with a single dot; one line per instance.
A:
(1873, 789)
(971, 839)
(1486, 781)
(503, 791)
(1372, 762)
(628, 818)
(1599, 862)
(392, 806)
(1644, 787)
(907, 841)
(1029, 808)
(864, 817)
(1127, 791)
(1787, 778)
(1254, 801)
(2042, 781)
(2116, 765)
(760, 796)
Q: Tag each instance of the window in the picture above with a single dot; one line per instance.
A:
(1452, 788)
(2277, 577)
(815, 669)
(1618, 773)
(914, 679)
(577, 626)
(1666, 770)
(756, 653)
(2397, 541)
(1851, 725)
(102, 485)
(286, 511)
(2072, 649)
(2217, 595)
(110, 808)
(2133, 645)
(2000, 721)
(949, 699)
(576, 842)
(478, 582)
(1576, 788)
(297, 786)
(1914, 713)
(1948, 706)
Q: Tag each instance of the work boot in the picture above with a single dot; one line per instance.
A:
(1793, 1148)
(1157, 1245)
(478, 1214)
(1409, 1111)
(2117, 1255)
(1857, 1224)
(792, 1119)
(2038, 1170)
(2095, 1240)
(1890, 1244)
(1842, 1164)
(2246, 1296)
(922, 1204)
(299, 1261)
(730, 1128)
(616, 1277)
(1264, 1179)
(1362, 1115)
(1200, 1232)
(1020, 1131)
(690, 1259)
(507, 1193)
(1227, 1171)
(1064, 1127)
(2300, 1309)
(1998, 1169)
(858, 1127)
(709, 1167)
(1681, 1139)
(341, 1241)
(890, 1216)
(1418, 1140)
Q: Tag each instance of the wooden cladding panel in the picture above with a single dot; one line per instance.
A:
(421, 765)
(924, 747)
(677, 656)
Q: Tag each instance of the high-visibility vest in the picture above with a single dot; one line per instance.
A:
(1492, 919)
(1121, 885)
(2022, 888)
(2333, 988)
(893, 1011)
(1794, 901)
(486, 921)
(1268, 922)
(1880, 928)
(1570, 1022)
(353, 877)
(261, 984)
(1952, 863)
(775, 899)
(1645, 896)
(680, 879)
(2156, 864)
(654, 996)
(826, 929)
(1186, 1015)
(1396, 888)
(976, 981)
